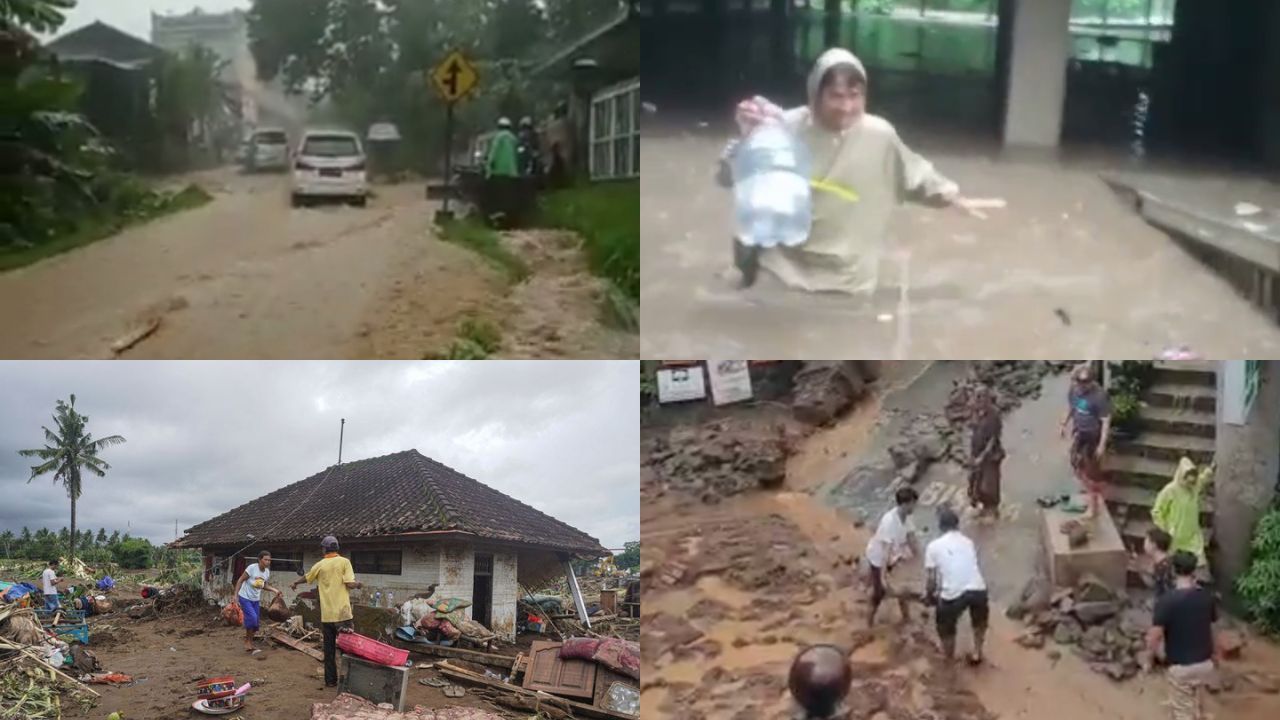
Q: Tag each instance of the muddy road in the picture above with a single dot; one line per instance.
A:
(733, 589)
(247, 276)
(1066, 270)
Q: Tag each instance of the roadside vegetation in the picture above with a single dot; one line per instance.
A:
(475, 236)
(477, 339)
(607, 216)
(62, 183)
(1259, 588)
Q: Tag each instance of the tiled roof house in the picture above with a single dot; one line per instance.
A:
(406, 522)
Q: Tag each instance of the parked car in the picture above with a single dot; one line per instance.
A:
(330, 164)
(268, 150)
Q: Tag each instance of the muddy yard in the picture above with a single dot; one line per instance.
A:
(167, 657)
(739, 577)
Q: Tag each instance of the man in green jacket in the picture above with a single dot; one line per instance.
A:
(502, 161)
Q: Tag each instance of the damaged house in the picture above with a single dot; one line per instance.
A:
(406, 522)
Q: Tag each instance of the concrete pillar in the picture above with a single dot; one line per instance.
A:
(1037, 73)
(1248, 457)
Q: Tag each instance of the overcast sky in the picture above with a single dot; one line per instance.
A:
(134, 16)
(204, 437)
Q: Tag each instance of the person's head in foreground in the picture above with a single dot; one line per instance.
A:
(948, 520)
(329, 544)
(819, 680)
(264, 560)
(1157, 542)
(906, 498)
(1184, 566)
(54, 563)
(838, 90)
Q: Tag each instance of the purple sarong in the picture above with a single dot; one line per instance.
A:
(250, 608)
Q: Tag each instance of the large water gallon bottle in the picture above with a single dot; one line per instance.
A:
(771, 198)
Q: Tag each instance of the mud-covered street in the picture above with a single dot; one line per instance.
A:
(247, 276)
(1066, 269)
(739, 578)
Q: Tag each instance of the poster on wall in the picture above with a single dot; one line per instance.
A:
(681, 384)
(730, 381)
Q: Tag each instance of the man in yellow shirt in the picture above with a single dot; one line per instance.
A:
(333, 577)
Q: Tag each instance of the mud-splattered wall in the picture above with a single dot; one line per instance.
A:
(1248, 458)
(448, 566)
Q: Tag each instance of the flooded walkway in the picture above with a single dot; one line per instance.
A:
(1067, 270)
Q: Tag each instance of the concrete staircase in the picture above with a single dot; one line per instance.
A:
(1178, 417)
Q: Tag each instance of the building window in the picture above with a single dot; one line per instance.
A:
(376, 562)
(285, 562)
(615, 132)
(484, 564)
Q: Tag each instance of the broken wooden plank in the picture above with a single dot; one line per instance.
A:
(458, 673)
(296, 645)
(515, 666)
(475, 656)
(137, 335)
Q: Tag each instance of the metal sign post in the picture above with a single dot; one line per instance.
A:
(454, 79)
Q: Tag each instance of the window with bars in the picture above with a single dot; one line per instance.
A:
(376, 562)
(615, 132)
(280, 562)
(484, 564)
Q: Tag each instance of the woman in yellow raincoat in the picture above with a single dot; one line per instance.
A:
(1177, 507)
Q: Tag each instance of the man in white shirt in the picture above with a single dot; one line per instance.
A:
(956, 585)
(49, 578)
(895, 535)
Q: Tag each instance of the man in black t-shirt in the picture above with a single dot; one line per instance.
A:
(1182, 630)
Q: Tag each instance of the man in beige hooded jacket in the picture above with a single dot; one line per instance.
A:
(861, 170)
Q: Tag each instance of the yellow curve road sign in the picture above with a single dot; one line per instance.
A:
(455, 78)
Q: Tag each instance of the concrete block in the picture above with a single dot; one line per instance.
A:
(1103, 555)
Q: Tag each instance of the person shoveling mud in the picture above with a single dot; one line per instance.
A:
(860, 169)
(895, 536)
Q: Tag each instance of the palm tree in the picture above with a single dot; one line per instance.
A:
(67, 452)
(6, 539)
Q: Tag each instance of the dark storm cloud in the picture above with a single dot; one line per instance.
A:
(204, 437)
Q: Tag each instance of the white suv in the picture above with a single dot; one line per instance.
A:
(330, 164)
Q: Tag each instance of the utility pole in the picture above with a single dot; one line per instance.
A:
(341, 427)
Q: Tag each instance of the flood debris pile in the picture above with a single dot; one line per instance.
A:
(350, 707)
(554, 605)
(930, 437)
(825, 390)
(926, 439)
(720, 459)
(1096, 623)
(31, 681)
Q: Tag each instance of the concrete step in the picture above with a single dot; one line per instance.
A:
(1179, 421)
(1182, 395)
(1166, 446)
(1130, 502)
(1187, 372)
(1137, 470)
(1134, 531)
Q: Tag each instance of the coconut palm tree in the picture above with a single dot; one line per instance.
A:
(67, 452)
